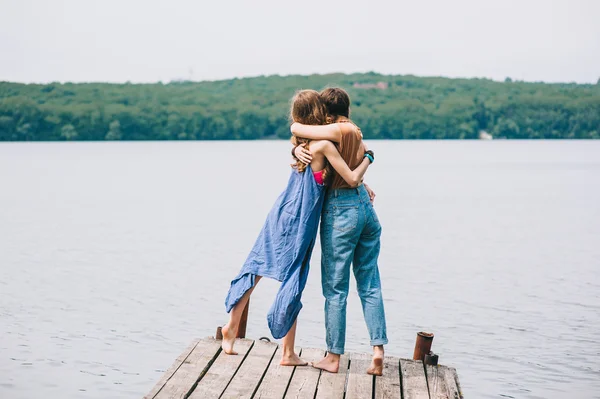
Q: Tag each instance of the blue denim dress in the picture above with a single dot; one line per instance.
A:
(283, 249)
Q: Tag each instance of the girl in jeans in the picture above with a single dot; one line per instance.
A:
(350, 234)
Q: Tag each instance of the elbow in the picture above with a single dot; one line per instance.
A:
(354, 182)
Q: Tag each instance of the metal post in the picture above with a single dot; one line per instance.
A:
(423, 345)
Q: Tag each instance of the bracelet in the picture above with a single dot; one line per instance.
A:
(294, 152)
(370, 157)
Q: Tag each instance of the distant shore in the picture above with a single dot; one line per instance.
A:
(385, 106)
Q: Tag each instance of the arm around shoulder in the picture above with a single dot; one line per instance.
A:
(346, 128)
(332, 132)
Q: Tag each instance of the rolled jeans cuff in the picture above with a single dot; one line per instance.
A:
(336, 351)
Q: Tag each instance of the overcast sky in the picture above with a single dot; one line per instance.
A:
(148, 40)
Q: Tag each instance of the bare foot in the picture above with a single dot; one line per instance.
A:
(330, 363)
(376, 367)
(228, 340)
(292, 360)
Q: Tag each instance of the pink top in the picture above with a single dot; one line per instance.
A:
(319, 176)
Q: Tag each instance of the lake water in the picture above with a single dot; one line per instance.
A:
(114, 256)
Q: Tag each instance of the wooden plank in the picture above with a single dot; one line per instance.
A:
(250, 374)
(277, 378)
(191, 370)
(438, 389)
(221, 372)
(451, 379)
(457, 381)
(305, 379)
(414, 384)
(388, 385)
(443, 382)
(360, 384)
(332, 386)
(171, 370)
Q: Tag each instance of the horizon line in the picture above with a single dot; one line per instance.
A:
(185, 80)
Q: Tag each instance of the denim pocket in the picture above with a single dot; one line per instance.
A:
(345, 218)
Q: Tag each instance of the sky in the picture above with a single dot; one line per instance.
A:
(44, 41)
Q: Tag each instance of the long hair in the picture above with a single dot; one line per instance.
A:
(308, 109)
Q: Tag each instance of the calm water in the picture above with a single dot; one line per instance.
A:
(114, 256)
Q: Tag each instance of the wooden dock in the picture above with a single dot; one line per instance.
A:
(203, 371)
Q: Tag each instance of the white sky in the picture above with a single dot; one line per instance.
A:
(148, 41)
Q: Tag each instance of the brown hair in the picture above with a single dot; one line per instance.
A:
(337, 101)
(307, 108)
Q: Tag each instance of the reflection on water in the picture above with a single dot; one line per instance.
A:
(114, 256)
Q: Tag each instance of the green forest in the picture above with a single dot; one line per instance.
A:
(384, 106)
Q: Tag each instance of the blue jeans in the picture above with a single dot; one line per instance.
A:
(350, 233)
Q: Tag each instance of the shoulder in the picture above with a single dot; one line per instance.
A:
(348, 128)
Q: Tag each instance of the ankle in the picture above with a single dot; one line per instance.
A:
(288, 353)
(230, 328)
(378, 350)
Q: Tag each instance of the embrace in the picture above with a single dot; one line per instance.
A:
(326, 185)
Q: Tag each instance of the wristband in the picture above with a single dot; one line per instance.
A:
(294, 152)
(370, 157)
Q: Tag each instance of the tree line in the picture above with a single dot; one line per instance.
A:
(385, 106)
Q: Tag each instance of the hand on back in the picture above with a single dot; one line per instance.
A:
(303, 155)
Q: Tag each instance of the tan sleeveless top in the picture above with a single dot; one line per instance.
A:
(352, 151)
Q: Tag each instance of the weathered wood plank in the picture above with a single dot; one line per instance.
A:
(221, 372)
(388, 385)
(191, 370)
(360, 384)
(305, 379)
(249, 375)
(332, 386)
(438, 389)
(277, 378)
(451, 379)
(414, 385)
(171, 370)
(457, 381)
(442, 382)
